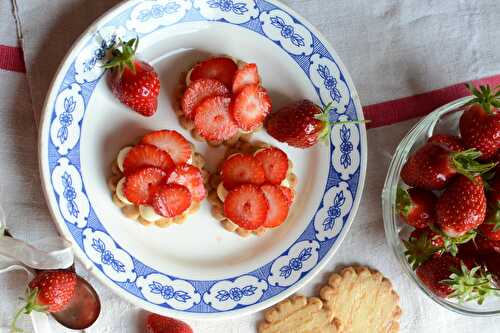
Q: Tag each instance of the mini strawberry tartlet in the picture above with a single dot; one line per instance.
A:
(220, 99)
(253, 189)
(160, 180)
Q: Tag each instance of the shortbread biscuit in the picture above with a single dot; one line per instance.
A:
(299, 314)
(363, 301)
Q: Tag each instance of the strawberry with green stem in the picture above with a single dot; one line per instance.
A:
(50, 291)
(416, 206)
(491, 227)
(302, 123)
(134, 82)
(480, 122)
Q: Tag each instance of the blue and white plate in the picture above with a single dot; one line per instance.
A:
(198, 269)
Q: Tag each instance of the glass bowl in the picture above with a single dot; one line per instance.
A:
(444, 120)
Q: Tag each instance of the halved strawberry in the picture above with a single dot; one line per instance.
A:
(144, 155)
(212, 119)
(250, 107)
(289, 194)
(220, 68)
(248, 74)
(172, 142)
(189, 176)
(246, 206)
(171, 200)
(242, 169)
(140, 186)
(278, 205)
(275, 163)
(198, 91)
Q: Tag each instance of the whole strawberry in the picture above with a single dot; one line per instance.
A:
(462, 207)
(480, 122)
(432, 166)
(49, 291)
(134, 82)
(416, 206)
(300, 124)
(452, 277)
(159, 324)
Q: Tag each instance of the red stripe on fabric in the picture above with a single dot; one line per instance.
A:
(12, 59)
(397, 110)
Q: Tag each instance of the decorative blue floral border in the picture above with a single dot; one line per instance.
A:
(267, 19)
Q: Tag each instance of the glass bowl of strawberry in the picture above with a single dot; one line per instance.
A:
(441, 204)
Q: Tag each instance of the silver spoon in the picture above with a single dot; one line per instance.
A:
(84, 308)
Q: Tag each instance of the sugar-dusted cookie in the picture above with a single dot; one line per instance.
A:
(299, 314)
(363, 300)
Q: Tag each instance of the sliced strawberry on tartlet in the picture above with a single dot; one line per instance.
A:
(223, 99)
(253, 190)
(160, 180)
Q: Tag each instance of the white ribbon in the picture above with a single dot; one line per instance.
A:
(48, 253)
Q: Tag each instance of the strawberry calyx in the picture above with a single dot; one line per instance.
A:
(123, 57)
(470, 285)
(494, 217)
(30, 306)
(403, 202)
(419, 250)
(465, 163)
(324, 117)
(451, 243)
(485, 96)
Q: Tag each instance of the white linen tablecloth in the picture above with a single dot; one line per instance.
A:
(391, 48)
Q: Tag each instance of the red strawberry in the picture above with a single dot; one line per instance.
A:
(491, 226)
(437, 269)
(485, 245)
(462, 206)
(49, 291)
(198, 91)
(300, 124)
(453, 143)
(242, 169)
(275, 163)
(213, 121)
(278, 205)
(247, 206)
(289, 194)
(191, 177)
(171, 200)
(432, 166)
(139, 186)
(221, 68)
(179, 149)
(416, 206)
(454, 277)
(250, 107)
(144, 155)
(422, 245)
(480, 122)
(248, 74)
(159, 324)
(134, 82)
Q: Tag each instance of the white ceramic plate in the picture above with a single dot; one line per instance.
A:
(198, 269)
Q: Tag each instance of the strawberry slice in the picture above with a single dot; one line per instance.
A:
(250, 107)
(278, 205)
(246, 206)
(140, 186)
(242, 169)
(189, 176)
(171, 200)
(289, 194)
(220, 68)
(248, 74)
(275, 163)
(172, 142)
(213, 121)
(198, 91)
(144, 155)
